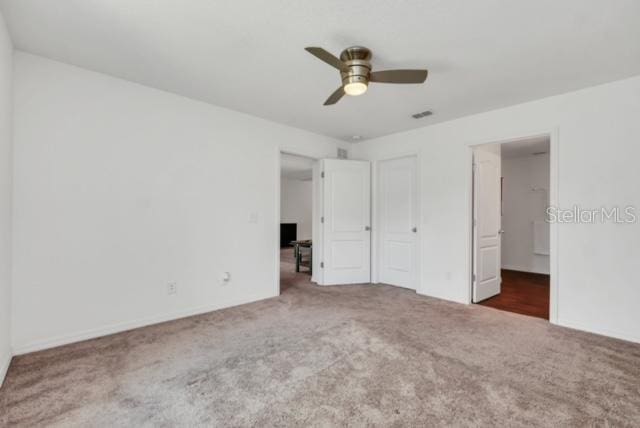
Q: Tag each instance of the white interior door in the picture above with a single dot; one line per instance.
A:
(346, 227)
(487, 222)
(397, 222)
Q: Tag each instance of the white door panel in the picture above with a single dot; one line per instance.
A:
(398, 256)
(347, 255)
(347, 217)
(346, 189)
(487, 267)
(487, 222)
(397, 198)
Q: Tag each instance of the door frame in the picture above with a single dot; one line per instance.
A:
(553, 134)
(276, 227)
(376, 238)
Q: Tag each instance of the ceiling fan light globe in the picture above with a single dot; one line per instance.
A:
(355, 88)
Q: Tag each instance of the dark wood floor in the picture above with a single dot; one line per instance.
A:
(523, 293)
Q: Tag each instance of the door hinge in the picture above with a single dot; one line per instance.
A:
(322, 265)
(474, 277)
(322, 174)
(322, 219)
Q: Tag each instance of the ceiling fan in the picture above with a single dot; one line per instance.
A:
(355, 70)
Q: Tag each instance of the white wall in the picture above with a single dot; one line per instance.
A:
(120, 188)
(521, 206)
(296, 197)
(598, 133)
(6, 68)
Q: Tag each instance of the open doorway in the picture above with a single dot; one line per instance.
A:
(324, 222)
(296, 220)
(511, 235)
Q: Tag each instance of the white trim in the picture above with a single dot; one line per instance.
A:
(317, 232)
(554, 242)
(469, 197)
(375, 224)
(629, 335)
(66, 339)
(4, 367)
(276, 286)
(524, 269)
(553, 134)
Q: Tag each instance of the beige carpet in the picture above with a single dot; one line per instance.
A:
(348, 355)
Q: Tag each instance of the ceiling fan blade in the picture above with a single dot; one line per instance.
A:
(335, 97)
(399, 76)
(327, 57)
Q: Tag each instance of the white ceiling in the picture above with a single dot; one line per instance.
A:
(296, 167)
(525, 147)
(249, 55)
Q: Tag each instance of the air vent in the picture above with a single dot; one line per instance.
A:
(422, 114)
(342, 154)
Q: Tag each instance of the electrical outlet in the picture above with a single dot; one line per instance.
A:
(172, 287)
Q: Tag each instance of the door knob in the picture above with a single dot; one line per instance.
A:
(501, 231)
(367, 228)
(414, 229)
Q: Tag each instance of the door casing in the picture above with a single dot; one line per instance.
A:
(554, 137)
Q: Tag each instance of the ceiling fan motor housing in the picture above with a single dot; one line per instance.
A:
(358, 59)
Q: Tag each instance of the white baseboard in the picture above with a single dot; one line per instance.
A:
(523, 269)
(40, 345)
(5, 360)
(629, 336)
(423, 292)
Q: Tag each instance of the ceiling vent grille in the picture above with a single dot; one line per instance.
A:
(422, 114)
